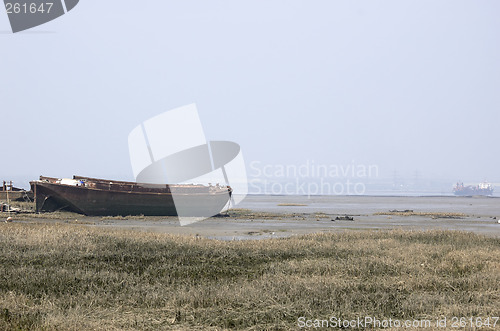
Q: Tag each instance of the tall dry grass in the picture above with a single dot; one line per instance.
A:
(69, 277)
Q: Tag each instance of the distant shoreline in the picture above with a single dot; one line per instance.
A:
(377, 195)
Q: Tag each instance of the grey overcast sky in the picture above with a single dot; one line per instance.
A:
(406, 85)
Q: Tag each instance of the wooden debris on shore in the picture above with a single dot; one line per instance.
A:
(6, 208)
(344, 218)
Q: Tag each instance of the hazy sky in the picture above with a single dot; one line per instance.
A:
(405, 85)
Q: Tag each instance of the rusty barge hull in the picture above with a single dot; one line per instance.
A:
(97, 197)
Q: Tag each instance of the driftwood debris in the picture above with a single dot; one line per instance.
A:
(344, 218)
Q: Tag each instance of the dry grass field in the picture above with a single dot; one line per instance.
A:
(73, 277)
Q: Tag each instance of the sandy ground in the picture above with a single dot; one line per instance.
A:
(266, 217)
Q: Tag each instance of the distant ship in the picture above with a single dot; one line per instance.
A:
(92, 196)
(481, 189)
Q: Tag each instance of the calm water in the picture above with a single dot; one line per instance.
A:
(488, 206)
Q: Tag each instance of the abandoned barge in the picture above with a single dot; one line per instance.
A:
(101, 197)
(8, 192)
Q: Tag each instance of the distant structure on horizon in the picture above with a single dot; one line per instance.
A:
(481, 189)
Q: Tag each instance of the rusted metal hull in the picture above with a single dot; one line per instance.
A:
(112, 198)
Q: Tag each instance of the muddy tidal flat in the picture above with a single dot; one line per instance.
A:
(260, 217)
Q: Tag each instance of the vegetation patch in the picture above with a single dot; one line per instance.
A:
(69, 277)
(424, 214)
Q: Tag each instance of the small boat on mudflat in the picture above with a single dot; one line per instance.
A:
(102, 197)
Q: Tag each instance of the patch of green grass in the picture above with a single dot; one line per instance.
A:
(65, 277)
